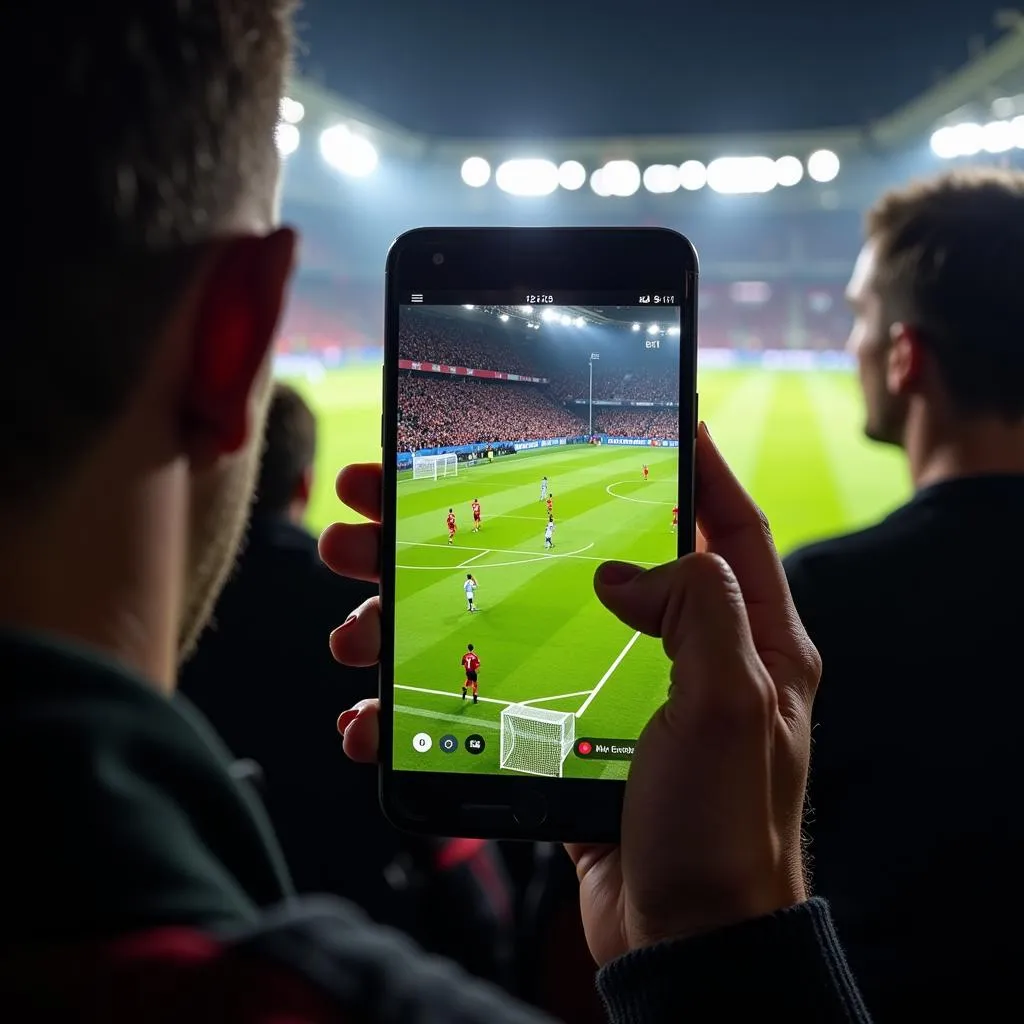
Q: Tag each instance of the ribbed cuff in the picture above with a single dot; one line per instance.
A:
(788, 966)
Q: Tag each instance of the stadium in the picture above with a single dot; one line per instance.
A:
(776, 220)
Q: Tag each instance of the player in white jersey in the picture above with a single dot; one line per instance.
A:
(543, 487)
(549, 533)
(470, 588)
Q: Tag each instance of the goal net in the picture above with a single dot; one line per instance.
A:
(430, 467)
(535, 740)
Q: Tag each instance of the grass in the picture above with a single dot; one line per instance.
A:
(793, 439)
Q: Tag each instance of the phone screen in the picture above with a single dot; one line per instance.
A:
(535, 441)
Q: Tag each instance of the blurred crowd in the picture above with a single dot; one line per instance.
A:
(456, 344)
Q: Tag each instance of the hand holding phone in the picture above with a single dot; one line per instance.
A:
(539, 417)
(711, 823)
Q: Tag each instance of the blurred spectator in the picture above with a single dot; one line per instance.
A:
(916, 820)
(276, 704)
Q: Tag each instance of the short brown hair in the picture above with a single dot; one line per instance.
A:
(147, 118)
(289, 450)
(950, 263)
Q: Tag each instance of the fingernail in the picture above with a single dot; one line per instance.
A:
(348, 622)
(346, 718)
(614, 574)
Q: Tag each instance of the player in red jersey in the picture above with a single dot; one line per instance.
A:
(551, 507)
(675, 518)
(475, 506)
(471, 663)
(451, 526)
(646, 471)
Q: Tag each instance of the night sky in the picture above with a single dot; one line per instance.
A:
(564, 67)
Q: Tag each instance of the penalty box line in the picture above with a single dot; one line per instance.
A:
(611, 670)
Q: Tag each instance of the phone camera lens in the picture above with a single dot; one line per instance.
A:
(438, 258)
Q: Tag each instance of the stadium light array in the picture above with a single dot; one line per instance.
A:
(823, 166)
(286, 135)
(527, 177)
(476, 172)
(693, 175)
(292, 111)
(503, 318)
(636, 327)
(347, 152)
(788, 171)
(970, 139)
(572, 175)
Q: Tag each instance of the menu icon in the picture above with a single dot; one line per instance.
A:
(416, 298)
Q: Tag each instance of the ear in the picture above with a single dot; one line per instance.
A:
(905, 365)
(235, 326)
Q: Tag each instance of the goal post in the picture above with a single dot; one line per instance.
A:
(535, 740)
(430, 467)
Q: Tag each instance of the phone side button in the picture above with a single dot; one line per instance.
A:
(382, 431)
(530, 811)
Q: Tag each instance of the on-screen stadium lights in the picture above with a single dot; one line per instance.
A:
(970, 139)
(661, 179)
(636, 327)
(526, 309)
(572, 175)
(653, 329)
(504, 318)
(693, 176)
(287, 138)
(476, 172)
(469, 307)
(548, 315)
(580, 322)
(348, 152)
(527, 177)
(823, 166)
(292, 111)
(788, 171)
(566, 320)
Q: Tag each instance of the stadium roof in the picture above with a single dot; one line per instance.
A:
(997, 71)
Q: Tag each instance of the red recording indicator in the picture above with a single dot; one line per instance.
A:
(600, 749)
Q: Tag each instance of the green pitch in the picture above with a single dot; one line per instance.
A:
(794, 440)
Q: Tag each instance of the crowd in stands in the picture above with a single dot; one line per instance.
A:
(454, 344)
(661, 424)
(438, 411)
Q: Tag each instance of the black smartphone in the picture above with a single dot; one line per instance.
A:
(540, 413)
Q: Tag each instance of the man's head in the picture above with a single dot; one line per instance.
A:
(289, 452)
(151, 277)
(938, 302)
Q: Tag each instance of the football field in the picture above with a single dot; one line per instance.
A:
(795, 441)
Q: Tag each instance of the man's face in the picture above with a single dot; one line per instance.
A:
(870, 344)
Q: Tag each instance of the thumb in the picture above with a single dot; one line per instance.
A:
(694, 605)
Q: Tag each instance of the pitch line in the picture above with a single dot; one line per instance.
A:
(527, 559)
(604, 679)
(638, 501)
(470, 561)
(561, 696)
(457, 696)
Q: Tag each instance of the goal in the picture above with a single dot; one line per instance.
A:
(535, 740)
(430, 467)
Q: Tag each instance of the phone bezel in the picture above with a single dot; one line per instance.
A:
(522, 261)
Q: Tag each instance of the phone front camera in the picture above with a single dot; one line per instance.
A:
(438, 258)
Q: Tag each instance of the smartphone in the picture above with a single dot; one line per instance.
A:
(540, 414)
